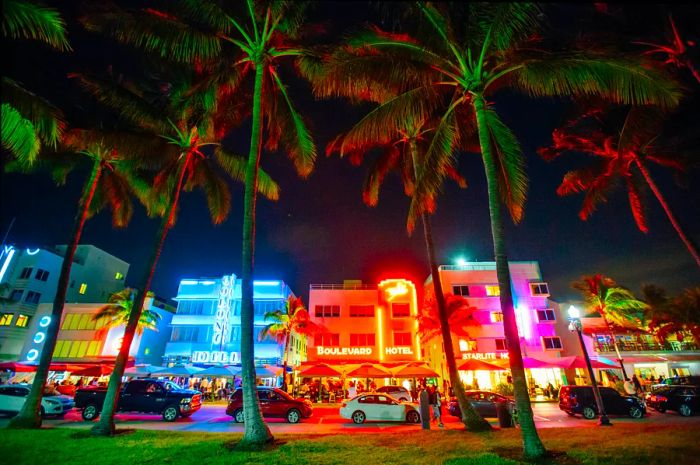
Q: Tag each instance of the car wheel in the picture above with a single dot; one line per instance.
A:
(90, 412)
(685, 410)
(636, 412)
(413, 417)
(589, 413)
(293, 416)
(170, 413)
(358, 417)
(238, 416)
(661, 409)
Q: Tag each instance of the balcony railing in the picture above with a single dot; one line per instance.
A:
(643, 346)
(343, 287)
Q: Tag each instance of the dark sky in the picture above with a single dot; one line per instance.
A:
(321, 232)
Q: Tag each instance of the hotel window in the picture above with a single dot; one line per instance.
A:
(493, 290)
(496, 317)
(362, 340)
(6, 319)
(327, 340)
(467, 345)
(327, 311)
(32, 297)
(118, 276)
(26, 273)
(400, 310)
(83, 288)
(235, 333)
(22, 321)
(546, 314)
(501, 344)
(16, 295)
(93, 348)
(539, 289)
(402, 339)
(362, 311)
(551, 343)
(460, 289)
(41, 275)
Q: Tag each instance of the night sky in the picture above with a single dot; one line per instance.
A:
(321, 232)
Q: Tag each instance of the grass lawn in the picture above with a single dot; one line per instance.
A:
(631, 444)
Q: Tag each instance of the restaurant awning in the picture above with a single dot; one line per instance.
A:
(473, 364)
(321, 370)
(414, 370)
(369, 370)
(576, 361)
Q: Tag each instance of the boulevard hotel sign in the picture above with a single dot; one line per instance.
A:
(366, 351)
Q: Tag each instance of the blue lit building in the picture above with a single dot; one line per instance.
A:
(206, 329)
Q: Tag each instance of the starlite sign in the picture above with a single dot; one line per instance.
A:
(215, 356)
(484, 355)
(223, 311)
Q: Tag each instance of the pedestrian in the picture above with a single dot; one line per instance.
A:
(435, 401)
(352, 390)
(550, 389)
(637, 384)
(661, 379)
(628, 385)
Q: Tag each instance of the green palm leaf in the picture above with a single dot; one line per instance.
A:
(46, 118)
(215, 188)
(18, 135)
(26, 20)
(235, 166)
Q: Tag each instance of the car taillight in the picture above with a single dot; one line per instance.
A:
(661, 399)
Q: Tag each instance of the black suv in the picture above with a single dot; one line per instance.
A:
(580, 400)
(683, 399)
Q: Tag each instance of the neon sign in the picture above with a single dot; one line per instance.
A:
(10, 251)
(405, 350)
(484, 355)
(223, 311)
(396, 290)
(215, 356)
(320, 350)
(39, 338)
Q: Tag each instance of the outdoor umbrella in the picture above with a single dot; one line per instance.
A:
(95, 370)
(531, 362)
(178, 370)
(17, 367)
(472, 364)
(143, 369)
(368, 370)
(576, 361)
(321, 370)
(220, 371)
(414, 371)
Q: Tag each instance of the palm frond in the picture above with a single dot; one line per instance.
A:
(18, 135)
(505, 24)
(48, 120)
(235, 166)
(24, 19)
(380, 167)
(215, 189)
(637, 204)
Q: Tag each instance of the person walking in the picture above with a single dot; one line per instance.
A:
(637, 385)
(628, 385)
(435, 403)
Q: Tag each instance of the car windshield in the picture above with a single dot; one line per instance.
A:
(170, 386)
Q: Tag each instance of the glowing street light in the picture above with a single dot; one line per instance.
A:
(461, 261)
(575, 325)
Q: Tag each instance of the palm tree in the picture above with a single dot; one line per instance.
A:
(618, 152)
(404, 142)
(468, 55)
(184, 166)
(616, 305)
(118, 310)
(460, 317)
(294, 319)
(27, 119)
(665, 316)
(237, 56)
(107, 186)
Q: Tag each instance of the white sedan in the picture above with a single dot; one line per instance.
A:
(379, 407)
(13, 396)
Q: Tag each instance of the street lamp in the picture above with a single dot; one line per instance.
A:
(575, 325)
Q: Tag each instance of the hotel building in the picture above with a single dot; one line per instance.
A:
(365, 323)
(541, 326)
(30, 277)
(206, 329)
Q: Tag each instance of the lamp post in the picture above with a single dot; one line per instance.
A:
(575, 325)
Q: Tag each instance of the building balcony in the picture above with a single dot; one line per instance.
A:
(644, 346)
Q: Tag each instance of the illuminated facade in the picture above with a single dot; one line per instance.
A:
(31, 278)
(206, 329)
(365, 323)
(541, 325)
(84, 340)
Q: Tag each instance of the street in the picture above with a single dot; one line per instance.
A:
(326, 420)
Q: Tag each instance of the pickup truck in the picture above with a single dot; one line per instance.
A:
(145, 396)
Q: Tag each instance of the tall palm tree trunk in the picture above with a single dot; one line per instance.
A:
(692, 248)
(285, 356)
(105, 426)
(29, 416)
(471, 419)
(613, 339)
(256, 430)
(532, 445)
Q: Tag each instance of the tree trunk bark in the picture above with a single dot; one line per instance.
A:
(471, 419)
(532, 445)
(29, 416)
(284, 360)
(692, 248)
(105, 426)
(613, 339)
(256, 430)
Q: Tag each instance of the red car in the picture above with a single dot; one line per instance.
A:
(274, 403)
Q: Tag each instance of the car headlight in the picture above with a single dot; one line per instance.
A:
(52, 402)
(186, 400)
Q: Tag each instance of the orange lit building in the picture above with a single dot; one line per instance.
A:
(365, 323)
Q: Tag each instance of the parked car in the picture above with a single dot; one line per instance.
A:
(379, 407)
(397, 392)
(143, 396)
(580, 400)
(484, 402)
(677, 381)
(13, 396)
(274, 403)
(683, 399)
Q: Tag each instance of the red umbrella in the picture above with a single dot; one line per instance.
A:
(414, 371)
(95, 370)
(576, 361)
(320, 370)
(17, 367)
(368, 370)
(473, 364)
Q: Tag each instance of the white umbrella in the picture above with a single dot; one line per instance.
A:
(220, 371)
(179, 370)
(142, 370)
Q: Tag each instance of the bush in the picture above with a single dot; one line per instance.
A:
(504, 389)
